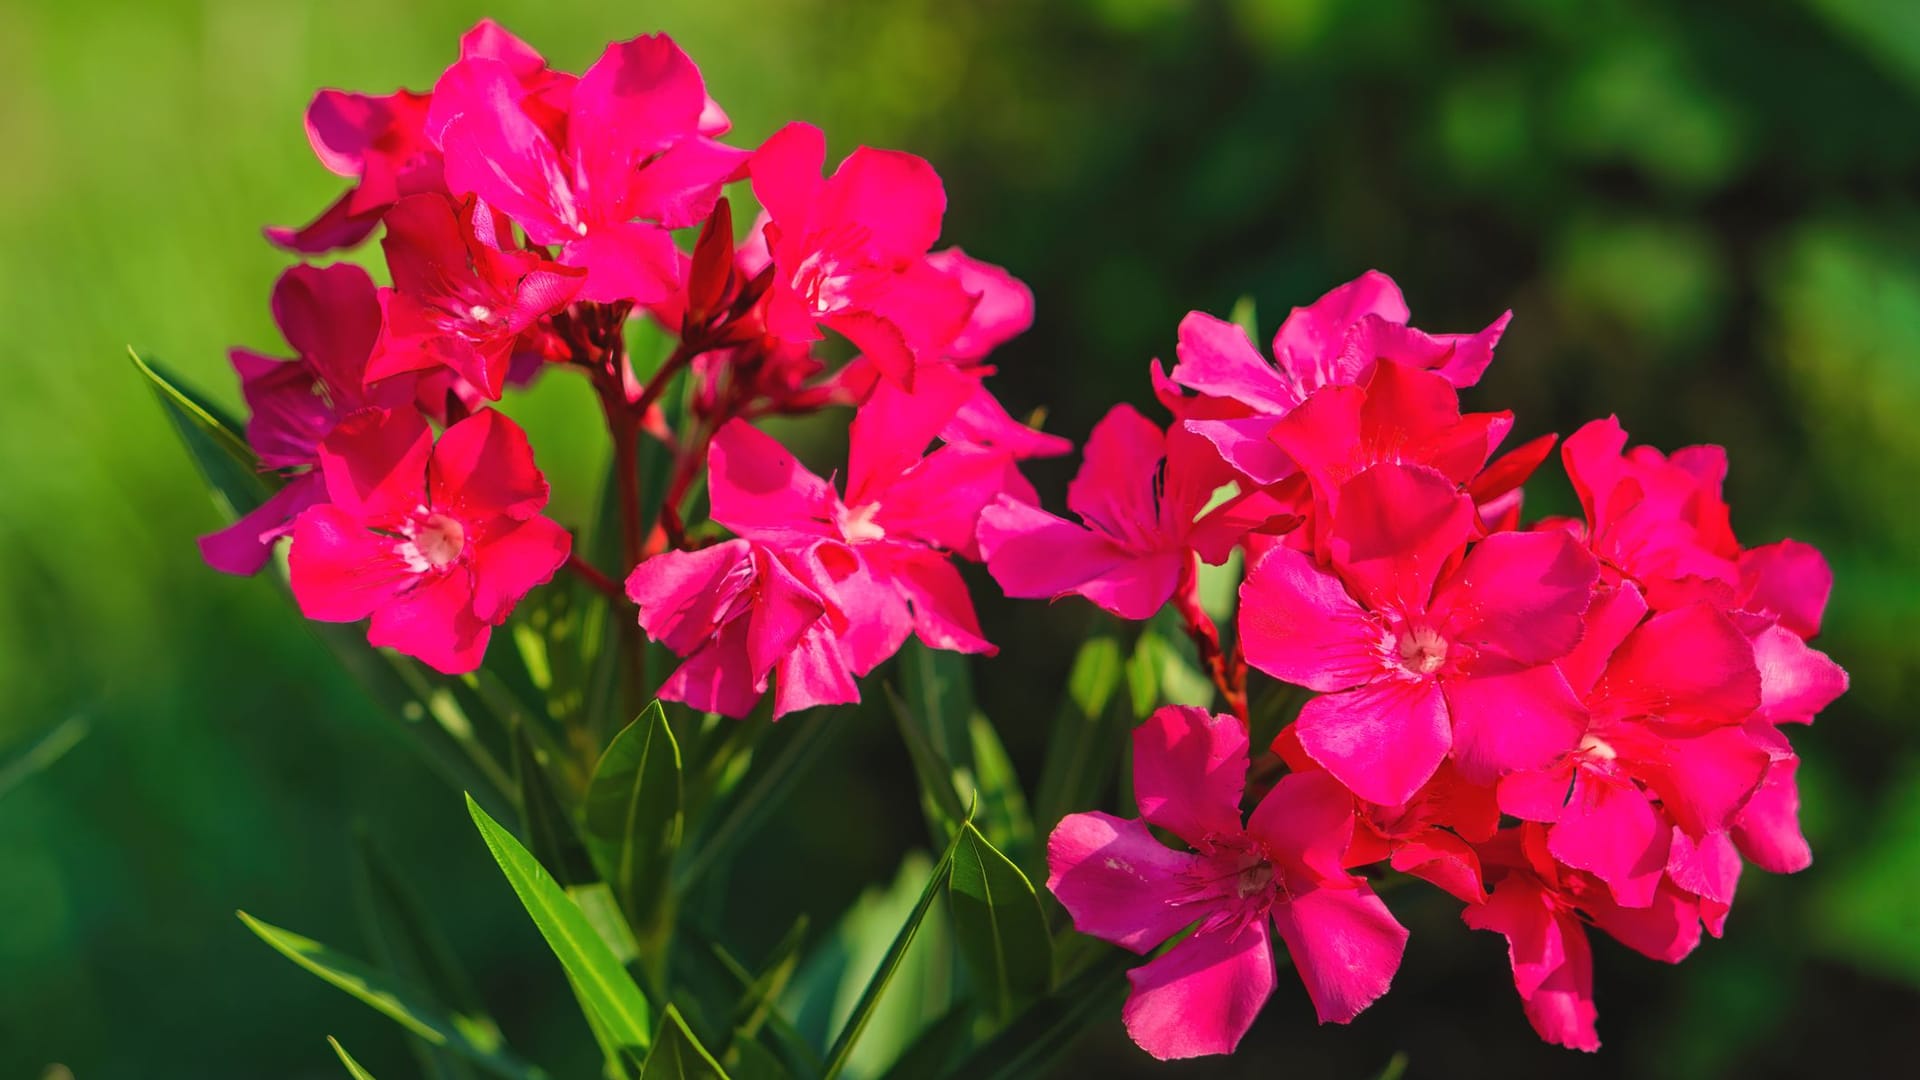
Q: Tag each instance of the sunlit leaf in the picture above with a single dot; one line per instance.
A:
(605, 984)
(677, 1055)
(998, 922)
(1084, 745)
(212, 439)
(634, 815)
(354, 1068)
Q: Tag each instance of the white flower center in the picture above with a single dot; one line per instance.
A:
(1421, 650)
(858, 526)
(433, 541)
(480, 313)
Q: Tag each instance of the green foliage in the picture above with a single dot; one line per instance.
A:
(677, 1055)
(20, 763)
(621, 1008)
(634, 814)
(998, 922)
(353, 1067)
(408, 1006)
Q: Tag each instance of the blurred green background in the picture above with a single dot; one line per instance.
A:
(1706, 218)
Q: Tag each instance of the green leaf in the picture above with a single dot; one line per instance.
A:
(1084, 746)
(998, 922)
(213, 440)
(1395, 1068)
(1246, 317)
(34, 756)
(634, 814)
(551, 833)
(958, 758)
(678, 1055)
(876, 988)
(936, 1046)
(939, 800)
(938, 686)
(1042, 1034)
(1164, 669)
(1000, 806)
(605, 984)
(354, 1068)
(406, 1005)
(406, 942)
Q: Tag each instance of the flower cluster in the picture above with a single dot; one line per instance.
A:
(1563, 724)
(527, 215)
(1568, 724)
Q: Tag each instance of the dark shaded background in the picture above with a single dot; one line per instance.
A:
(1703, 216)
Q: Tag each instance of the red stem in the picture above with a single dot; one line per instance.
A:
(586, 572)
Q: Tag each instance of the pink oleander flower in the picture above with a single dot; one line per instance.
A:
(459, 299)
(1277, 871)
(1417, 651)
(1667, 699)
(742, 619)
(331, 317)
(878, 553)
(850, 252)
(1143, 497)
(1002, 305)
(1335, 341)
(1656, 519)
(1543, 908)
(380, 142)
(436, 542)
(602, 170)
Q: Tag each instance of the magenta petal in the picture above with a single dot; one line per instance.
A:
(1615, 611)
(1537, 795)
(1396, 527)
(1788, 581)
(786, 173)
(1003, 308)
(943, 615)
(1691, 662)
(1217, 359)
(1382, 740)
(1666, 928)
(784, 610)
(894, 197)
(1243, 443)
(1519, 595)
(1505, 721)
(1298, 624)
(985, 422)
(761, 490)
(1203, 995)
(891, 432)
(1704, 779)
(1311, 340)
(1609, 829)
(679, 188)
(1796, 680)
(629, 260)
(483, 468)
(375, 463)
(1552, 962)
(637, 100)
(331, 316)
(1709, 870)
(1346, 945)
(1189, 769)
(716, 676)
(340, 571)
(1443, 859)
(509, 565)
(1117, 881)
(1116, 489)
(684, 596)
(1306, 822)
(815, 672)
(1034, 555)
(434, 624)
(338, 226)
(495, 150)
(1767, 829)
(245, 546)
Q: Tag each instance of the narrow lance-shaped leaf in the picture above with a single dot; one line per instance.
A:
(354, 1068)
(998, 922)
(678, 1055)
(1045, 1031)
(1000, 806)
(939, 799)
(213, 440)
(36, 755)
(609, 991)
(406, 1005)
(736, 818)
(634, 815)
(550, 829)
(863, 1009)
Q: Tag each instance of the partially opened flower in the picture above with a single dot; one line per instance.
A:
(850, 251)
(331, 317)
(1276, 871)
(1145, 501)
(1417, 651)
(459, 299)
(742, 620)
(604, 176)
(435, 542)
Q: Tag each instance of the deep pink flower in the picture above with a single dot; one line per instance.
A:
(1415, 650)
(850, 252)
(1335, 341)
(436, 542)
(879, 553)
(1142, 496)
(1543, 908)
(1002, 307)
(1277, 871)
(604, 175)
(742, 620)
(1658, 519)
(1667, 700)
(380, 142)
(330, 317)
(1431, 835)
(458, 300)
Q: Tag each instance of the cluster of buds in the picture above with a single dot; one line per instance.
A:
(1563, 723)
